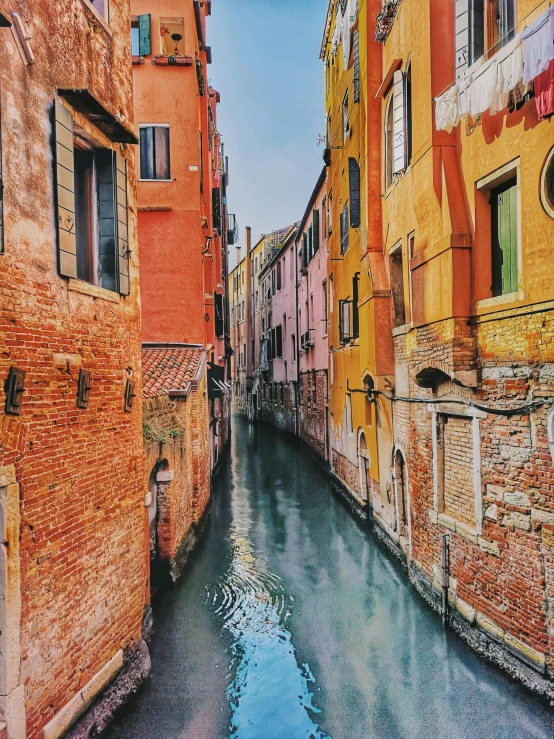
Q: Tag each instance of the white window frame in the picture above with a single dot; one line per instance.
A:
(438, 410)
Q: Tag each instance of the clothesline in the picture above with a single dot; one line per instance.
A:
(512, 30)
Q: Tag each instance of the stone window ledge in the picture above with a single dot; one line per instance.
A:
(500, 300)
(85, 288)
(466, 531)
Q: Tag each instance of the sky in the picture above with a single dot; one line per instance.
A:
(267, 69)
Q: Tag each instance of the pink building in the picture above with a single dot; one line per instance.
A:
(279, 353)
(313, 301)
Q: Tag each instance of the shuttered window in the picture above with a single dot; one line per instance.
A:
(504, 239)
(344, 229)
(399, 123)
(345, 322)
(356, 54)
(345, 117)
(315, 230)
(354, 192)
(355, 313)
(91, 208)
(145, 34)
(219, 323)
(216, 209)
(462, 36)
(470, 31)
(279, 341)
(154, 153)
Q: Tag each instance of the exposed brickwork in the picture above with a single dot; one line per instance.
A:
(176, 431)
(279, 406)
(348, 473)
(313, 397)
(507, 573)
(457, 485)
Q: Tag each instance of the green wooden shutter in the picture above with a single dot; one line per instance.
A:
(504, 239)
(145, 35)
(65, 190)
(316, 230)
(107, 230)
(122, 224)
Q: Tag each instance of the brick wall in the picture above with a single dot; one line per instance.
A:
(177, 431)
(457, 484)
(348, 472)
(506, 573)
(313, 398)
(281, 410)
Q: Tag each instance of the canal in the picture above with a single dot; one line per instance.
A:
(292, 622)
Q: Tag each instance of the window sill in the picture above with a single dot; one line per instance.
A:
(98, 16)
(452, 524)
(516, 297)
(85, 288)
(403, 329)
(153, 180)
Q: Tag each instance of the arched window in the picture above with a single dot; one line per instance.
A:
(389, 141)
(408, 113)
(400, 488)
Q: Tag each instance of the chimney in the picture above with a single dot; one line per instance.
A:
(238, 254)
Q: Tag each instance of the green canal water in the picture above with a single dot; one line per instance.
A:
(292, 622)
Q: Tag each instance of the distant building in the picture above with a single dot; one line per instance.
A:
(311, 336)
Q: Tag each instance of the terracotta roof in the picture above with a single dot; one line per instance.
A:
(170, 369)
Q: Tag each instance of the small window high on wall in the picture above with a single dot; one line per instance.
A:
(482, 27)
(101, 6)
(154, 152)
(172, 37)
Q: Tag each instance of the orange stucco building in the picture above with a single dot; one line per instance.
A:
(182, 225)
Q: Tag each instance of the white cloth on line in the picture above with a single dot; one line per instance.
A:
(464, 87)
(482, 87)
(447, 110)
(510, 66)
(538, 45)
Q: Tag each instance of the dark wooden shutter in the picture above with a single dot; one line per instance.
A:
(476, 30)
(310, 243)
(279, 341)
(356, 53)
(219, 323)
(65, 190)
(145, 35)
(107, 226)
(216, 209)
(304, 260)
(399, 123)
(354, 192)
(316, 230)
(462, 36)
(122, 224)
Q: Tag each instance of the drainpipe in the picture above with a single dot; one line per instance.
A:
(445, 574)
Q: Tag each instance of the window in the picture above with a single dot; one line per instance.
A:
(92, 207)
(315, 231)
(327, 75)
(278, 275)
(411, 251)
(101, 6)
(345, 117)
(355, 314)
(354, 192)
(482, 26)
(397, 287)
(345, 321)
(504, 238)
(218, 306)
(408, 113)
(154, 152)
(141, 38)
(323, 219)
(356, 55)
(344, 229)
(293, 341)
(325, 309)
(279, 341)
(389, 142)
(330, 212)
(547, 184)
(172, 34)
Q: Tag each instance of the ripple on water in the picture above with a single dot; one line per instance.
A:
(269, 692)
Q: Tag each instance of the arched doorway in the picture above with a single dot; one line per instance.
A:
(401, 493)
(364, 467)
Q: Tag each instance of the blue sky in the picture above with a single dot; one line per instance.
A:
(266, 67)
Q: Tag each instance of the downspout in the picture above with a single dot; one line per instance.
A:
(297, 341)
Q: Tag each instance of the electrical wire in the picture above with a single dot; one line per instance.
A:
(523, 409)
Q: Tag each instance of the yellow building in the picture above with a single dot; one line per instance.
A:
(238, 299)
(359, 428)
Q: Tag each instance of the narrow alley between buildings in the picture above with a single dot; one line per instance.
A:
(293, 621)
